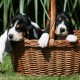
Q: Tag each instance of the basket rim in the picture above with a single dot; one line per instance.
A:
(57, 43)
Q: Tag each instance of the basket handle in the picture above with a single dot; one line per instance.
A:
(52, 22)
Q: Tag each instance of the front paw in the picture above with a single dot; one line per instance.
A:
(71, 38)
(43, 41)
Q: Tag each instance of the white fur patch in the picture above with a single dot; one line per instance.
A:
(62, 25)
(3, 40)
(35, 25)
(16, 35)
(71, 38)
(43, 41)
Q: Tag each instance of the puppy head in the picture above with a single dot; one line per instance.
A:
(63, 25)
(18, 27)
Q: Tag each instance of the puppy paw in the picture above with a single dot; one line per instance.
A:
(43, 41)
(71, 38)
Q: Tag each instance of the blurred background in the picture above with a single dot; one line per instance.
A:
(37, 10)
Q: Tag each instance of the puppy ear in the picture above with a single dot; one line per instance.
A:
(35, 33)
(28, 20)
(8, 47)
(23, 17)
(28, 26)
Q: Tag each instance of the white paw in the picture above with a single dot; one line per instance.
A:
(43, 41)
(71, 38)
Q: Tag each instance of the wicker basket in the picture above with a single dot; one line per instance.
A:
(63, 58)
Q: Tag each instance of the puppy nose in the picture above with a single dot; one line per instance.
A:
(62, 29)
(10, 36)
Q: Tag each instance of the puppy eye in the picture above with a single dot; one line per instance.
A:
(17, 29)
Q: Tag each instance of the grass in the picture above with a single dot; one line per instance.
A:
(7, 73)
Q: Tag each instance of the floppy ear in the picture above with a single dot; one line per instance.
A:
(71, 27)
(8, 47)
(24, 17)
(28, 20)
(28, 26)
(28, 31)
(35, 31)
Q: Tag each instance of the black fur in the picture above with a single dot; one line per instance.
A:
(27, 27)
(63, 15)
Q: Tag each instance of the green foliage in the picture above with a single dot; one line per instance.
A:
(9, 9)
(65, 3)
(36, 10)
(21, 6)
(6, 4)
(45, 12)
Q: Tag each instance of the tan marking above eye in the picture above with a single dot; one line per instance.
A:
(67, 19)
(60, 18)
(11, 25)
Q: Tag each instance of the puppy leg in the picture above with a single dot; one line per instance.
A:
(3, 40)
(43, 41)
(71, 38)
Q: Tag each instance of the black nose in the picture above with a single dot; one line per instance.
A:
(62, 29)
(10, 36)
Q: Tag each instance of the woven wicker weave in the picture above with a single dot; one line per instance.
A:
(61, 59)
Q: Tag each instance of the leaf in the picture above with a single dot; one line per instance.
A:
(65, 3)
(36, 10)
(1, 3)
(6, 4)
(21, 6)
(45, 9)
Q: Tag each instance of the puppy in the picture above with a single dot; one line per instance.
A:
(63, 30)
(20, 27)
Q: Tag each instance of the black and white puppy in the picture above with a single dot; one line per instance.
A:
(63, 30)
(20, 27)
